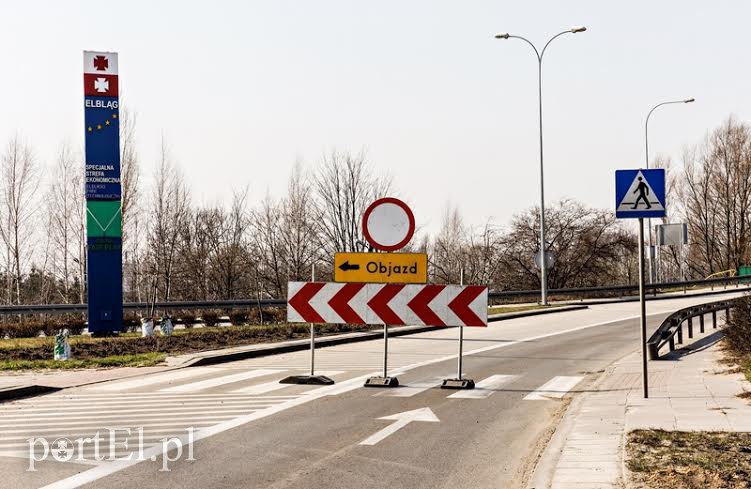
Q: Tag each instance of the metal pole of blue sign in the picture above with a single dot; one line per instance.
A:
(461, 336)
(643, 311)
(312, 331)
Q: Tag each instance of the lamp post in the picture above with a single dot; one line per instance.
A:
(543, 244)
(646, 157)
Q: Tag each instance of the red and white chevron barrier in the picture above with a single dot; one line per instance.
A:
(392, 304)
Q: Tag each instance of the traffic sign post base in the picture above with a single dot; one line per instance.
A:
(307, 380)
(382, 382)
(458, 384)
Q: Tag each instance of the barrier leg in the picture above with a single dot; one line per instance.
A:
(690, 328)
(672, 344)
(714, 319)
(701, 323)
(680, 333)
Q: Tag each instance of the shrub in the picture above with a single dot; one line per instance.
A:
(738, 332)
(239, 317)
(131, 322)
(28, 329)
(210, 318)
(50, 326)
(188, 318)
(274, 315)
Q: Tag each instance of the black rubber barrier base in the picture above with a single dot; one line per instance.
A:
(307, 380)
(382, 382)
(458, 384)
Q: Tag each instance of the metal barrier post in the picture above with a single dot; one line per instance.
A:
(672, 344)
(701, 323)
(714, 319)
(690, 327)
(727, 315)
(680, 332)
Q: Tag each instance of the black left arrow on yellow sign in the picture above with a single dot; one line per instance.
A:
(404, 268)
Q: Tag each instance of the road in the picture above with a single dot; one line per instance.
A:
(251, 431)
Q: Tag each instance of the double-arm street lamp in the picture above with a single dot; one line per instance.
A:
(646, 151)
(543, 244)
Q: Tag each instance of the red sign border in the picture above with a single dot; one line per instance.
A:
(410, 216)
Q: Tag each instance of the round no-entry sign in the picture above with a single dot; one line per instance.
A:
(388, 224)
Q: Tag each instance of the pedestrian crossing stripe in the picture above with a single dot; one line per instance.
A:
(640, 193)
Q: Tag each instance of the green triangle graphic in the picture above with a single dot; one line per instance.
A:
(104, 219)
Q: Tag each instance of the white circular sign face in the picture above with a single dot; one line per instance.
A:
(388, 224)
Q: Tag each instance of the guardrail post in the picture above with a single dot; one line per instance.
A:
(672, 344)
(680, 332)
(690, 327)
(727, 315)
(701, 323)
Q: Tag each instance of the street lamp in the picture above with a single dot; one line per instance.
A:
(543, 244)
(646, 150)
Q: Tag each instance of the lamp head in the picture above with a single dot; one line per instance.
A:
(577, 29)
(689, 100)
(502, 35)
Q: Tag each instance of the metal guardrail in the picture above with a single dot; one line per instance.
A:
(142, 306)
(671, 328)
(621, 290)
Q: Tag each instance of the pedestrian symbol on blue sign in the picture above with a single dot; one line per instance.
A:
(639, 193)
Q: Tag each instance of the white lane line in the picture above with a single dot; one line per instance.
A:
(85, 429)
(186, 419)
(135, 413)
(555, 388)
(172, 375)
(109, 468)
(275, 385)
(485, 388)
(411, 389)
(222, 380)
(138, 406)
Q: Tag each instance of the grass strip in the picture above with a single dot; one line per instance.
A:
(661, 459)
(137, 360)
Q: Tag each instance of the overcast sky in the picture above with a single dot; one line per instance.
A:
(241, 90)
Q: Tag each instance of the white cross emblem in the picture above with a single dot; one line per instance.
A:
(101, 85)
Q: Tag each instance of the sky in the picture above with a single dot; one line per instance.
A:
(240, 91)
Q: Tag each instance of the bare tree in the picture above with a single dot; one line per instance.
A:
(169, 210)
(63, 208)
(19, 180)
(345, 186)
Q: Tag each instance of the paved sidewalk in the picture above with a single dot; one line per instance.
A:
(689, 391)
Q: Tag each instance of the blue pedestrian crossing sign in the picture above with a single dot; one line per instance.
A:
(639, 193)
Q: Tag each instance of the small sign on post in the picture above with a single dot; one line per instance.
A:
(640, 194)
(395, 268)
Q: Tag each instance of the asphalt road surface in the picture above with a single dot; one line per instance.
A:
(239, 427)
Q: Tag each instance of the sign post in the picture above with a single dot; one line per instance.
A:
(311, 379)
(388, 225)
(103, 193)
(640, 194)
(459, 382)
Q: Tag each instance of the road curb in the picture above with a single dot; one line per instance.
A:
(19, 392)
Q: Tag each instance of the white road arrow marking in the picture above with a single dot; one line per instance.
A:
(401, 420)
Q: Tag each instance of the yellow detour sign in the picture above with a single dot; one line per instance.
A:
(399, 268)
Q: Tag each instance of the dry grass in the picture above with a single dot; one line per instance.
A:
(661, 459)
